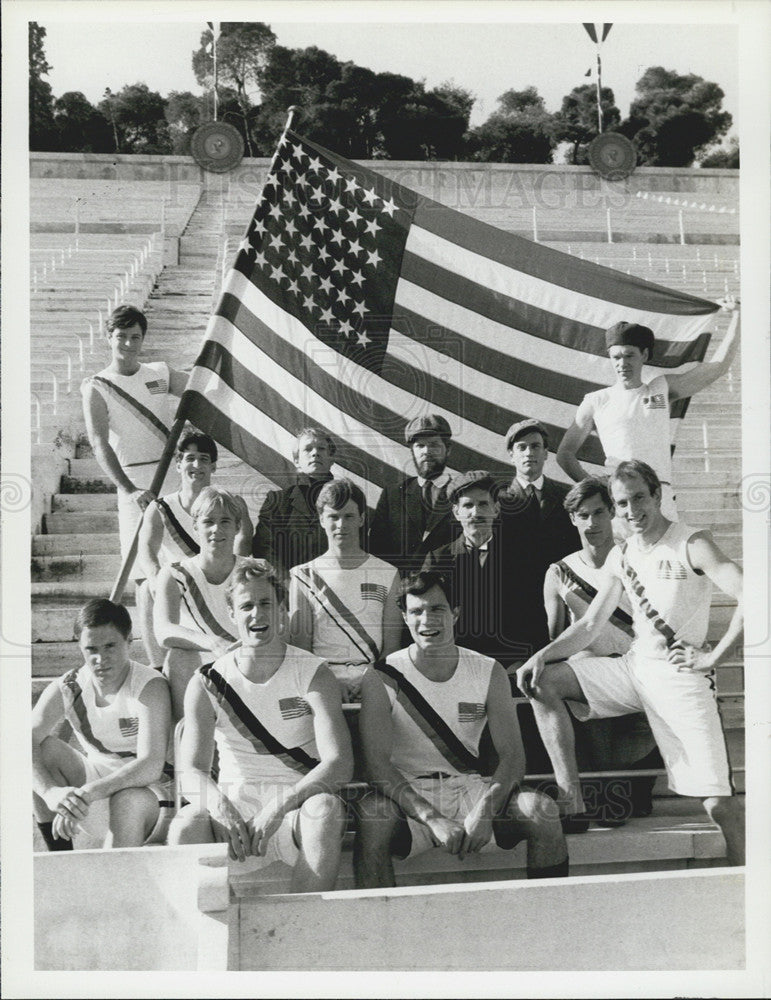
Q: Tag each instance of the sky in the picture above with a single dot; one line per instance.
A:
(485, 58)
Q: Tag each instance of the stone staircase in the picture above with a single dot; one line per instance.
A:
(75, 554)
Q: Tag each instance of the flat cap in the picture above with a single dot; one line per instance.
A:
(431, 423)
(524, 427)
(468, 480)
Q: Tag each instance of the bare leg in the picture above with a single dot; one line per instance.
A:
(372, 862)
(179, 666)
(321, 827)
(65, 765)
(558, 682)
(144, 599)
(133, 814)
(728, 812)
(535, 817)
(191, 827)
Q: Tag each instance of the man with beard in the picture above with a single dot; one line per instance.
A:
(414, 517)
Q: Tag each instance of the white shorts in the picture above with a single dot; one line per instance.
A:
(681, 709)
(454, 797)
(96, 825)
(130, 514)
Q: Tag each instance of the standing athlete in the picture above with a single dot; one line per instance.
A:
(631, 417)
(666, 570)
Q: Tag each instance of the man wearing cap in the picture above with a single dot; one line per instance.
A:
(501, 599)
(631, 417)
(527, 444)
(414, 516)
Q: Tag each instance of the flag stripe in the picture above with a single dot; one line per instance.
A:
(175, 529)
(530, 305)
(550, 269)
(331, 603)
(137, 410)
(202, 610)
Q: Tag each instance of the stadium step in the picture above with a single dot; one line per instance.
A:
(73, 503)
(76, 567)
(79, 522)
(68, 544)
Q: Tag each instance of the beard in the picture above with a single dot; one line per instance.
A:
(429, 468)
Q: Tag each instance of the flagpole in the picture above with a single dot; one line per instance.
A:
(599, 91)
(160, 474)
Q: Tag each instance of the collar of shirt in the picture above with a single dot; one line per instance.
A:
(303, 479)
(478, 548)
(441, 480)
(538, 483)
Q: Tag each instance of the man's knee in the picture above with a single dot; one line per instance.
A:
(190, 826)
(724, 809)
(557, 683)
(535, 811)
(324, 810)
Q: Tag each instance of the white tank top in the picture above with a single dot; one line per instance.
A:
(106, 733)
(203, 607)
(460, 702)
(138, 410)
(633, 423)
(249, 717)
(347, 606)
(577, 584)
(669, 599)
(179, 539)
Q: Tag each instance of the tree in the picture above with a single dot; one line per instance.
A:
(81, 128)
(42, 130)
(674, 117)
(137, 115)
(576, 121)
(520, 131)
(243, 48)
(725, 156)
(184, 112)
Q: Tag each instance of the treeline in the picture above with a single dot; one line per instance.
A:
(673, 121)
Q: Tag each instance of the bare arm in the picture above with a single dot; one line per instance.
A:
(150, 537)
(154, 715)
(704, 374)
(706, 556)
(556, 612)
(504, 730)
(576, 637)
(300, 616)
(392, 620)
(572, 440)
(376, 732)
(168, 631)
(177, 382)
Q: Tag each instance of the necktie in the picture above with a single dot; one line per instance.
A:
(428, 498)
(533, 494)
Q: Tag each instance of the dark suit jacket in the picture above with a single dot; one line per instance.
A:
(398, 526)
(557, 535)
(502, 613)
(288, 531)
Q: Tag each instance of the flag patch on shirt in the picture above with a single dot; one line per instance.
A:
(374, 592)
(656, 401)
(470, 711)
(128, 727)
(293, 708)
(671, 569)
(157, 385)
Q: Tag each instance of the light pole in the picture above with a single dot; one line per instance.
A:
(108, 98)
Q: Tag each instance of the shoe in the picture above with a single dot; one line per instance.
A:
(610, 824)
(574, 823)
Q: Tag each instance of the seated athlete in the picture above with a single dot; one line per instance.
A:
(168, 534)
(115, 784)
(191, 618)
(343, 603)
(274, 713)
(666, 570)
(570, 586)
(423, 710)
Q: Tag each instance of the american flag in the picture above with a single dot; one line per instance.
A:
(293, 708)
(128, 726)
(355, 304)
(470, 711)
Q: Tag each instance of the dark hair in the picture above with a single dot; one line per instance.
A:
(336, 494)
(420, 583)
(101, 611)
(587, 488)
(634, 467)
(248, 569)
(314, 432)
(125, 316)
(202, 442)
